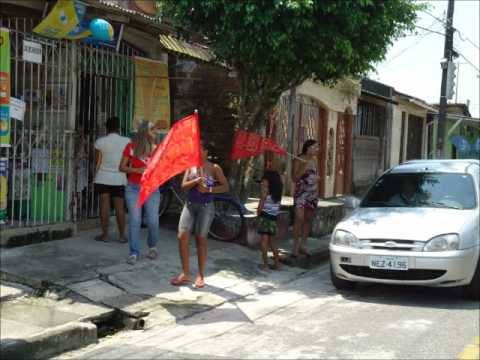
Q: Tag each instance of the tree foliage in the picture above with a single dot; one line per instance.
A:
(277, 44)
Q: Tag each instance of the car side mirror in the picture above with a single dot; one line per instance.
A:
(352, 202)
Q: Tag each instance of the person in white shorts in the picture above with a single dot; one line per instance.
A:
(109, 181)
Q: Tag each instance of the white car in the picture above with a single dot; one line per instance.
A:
(417, 225)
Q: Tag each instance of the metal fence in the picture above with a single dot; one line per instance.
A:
(305, 126)
(306, 123)
(104, 88)
(38, 156)
(68, 98)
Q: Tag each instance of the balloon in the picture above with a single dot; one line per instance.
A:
(101, 30)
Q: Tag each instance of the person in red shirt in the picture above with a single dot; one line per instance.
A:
(133, 163)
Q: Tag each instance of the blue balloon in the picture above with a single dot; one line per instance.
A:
(101, 30)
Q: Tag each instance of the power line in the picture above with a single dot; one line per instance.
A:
(466, 39)
(468, 61)
(429, 30)
(442, 21)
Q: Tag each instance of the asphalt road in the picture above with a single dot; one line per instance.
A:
(308, 318)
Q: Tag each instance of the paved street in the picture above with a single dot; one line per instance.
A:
(308, 318)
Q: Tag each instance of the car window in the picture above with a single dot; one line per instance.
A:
(450, 190)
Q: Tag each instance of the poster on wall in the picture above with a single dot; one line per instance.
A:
(3, 189)
(17, 108)
(152, 94)
(4, 87)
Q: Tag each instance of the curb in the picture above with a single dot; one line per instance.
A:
(50, 342)
(316, 258)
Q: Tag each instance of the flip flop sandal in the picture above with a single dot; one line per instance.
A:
(180, 280)
(262, 268)
(199, 286)
(122, 240)
(100, 238)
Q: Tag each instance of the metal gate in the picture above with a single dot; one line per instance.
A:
(39, 154)
(105, 87)
(68, 98)
(307, 125)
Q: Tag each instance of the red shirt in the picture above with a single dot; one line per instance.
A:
(135, 162)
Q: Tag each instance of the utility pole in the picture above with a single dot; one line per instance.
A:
(448, 57)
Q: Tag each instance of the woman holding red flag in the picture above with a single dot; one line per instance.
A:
(197, 214)
(135, 157)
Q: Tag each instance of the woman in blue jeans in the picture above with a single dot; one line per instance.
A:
(133, 163)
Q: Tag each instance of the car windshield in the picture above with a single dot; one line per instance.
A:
(455, 191)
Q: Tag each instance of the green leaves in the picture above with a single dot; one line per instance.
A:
(279, 42)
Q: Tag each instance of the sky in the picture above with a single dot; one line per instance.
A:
(412, 64)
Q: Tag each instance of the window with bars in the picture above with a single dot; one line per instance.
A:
(370, 119)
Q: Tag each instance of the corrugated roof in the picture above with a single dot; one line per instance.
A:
(184, 48)
(114, 4)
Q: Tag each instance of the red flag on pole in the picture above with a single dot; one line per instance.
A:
(248, 144)
(179, 151)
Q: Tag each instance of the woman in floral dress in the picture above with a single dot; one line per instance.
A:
(305, 176)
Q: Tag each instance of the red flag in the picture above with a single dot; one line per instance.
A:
(270, 145)
(248, 144)
(179, 151)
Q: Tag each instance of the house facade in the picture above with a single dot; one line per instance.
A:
(409, 137)
(68, 92)
(462, 133)
(325, 114)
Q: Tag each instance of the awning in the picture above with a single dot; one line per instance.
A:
(184, 48)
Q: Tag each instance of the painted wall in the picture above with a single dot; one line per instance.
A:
(343, 95)
(409, 109)
(334, 100)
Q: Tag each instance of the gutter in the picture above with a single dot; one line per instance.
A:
(380, 97)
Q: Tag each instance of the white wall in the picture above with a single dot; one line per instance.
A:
(409, 109)
(334, 100)
(343, 95)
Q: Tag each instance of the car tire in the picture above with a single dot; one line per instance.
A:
(472, 291)
(340, 284)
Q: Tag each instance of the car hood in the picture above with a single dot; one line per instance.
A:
(419, 224)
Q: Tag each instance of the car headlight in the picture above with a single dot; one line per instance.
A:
(442, 243)
(345, 238)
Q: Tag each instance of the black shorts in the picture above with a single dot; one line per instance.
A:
(113, 190)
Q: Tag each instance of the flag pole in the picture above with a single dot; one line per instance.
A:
(295, 157)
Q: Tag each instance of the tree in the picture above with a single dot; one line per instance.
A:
(275, 45)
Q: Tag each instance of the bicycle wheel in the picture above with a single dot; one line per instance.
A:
(164, 202)
(228, 223)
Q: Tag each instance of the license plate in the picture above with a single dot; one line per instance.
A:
(388, 262)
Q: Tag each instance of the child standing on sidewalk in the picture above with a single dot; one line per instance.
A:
(268, 207)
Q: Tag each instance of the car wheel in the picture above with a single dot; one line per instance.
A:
(472, 291)
(340, 284)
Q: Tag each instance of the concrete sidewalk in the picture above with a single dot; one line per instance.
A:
(78, 282)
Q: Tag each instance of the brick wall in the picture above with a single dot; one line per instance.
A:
(209, 89)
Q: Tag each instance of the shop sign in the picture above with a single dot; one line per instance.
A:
(32, 52)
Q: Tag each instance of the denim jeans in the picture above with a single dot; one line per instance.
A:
(150, 207)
